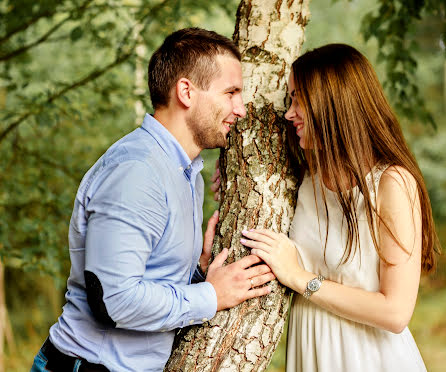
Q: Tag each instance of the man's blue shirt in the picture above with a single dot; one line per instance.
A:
(136, 225)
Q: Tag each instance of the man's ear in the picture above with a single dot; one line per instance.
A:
(185, 91)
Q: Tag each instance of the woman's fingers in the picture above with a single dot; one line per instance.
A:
(260, 237)
(265, 232)
(262, 255)
(255, 244)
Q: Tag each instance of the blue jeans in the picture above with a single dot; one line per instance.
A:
(40, 362)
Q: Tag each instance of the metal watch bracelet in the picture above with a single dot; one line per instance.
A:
(313, 286)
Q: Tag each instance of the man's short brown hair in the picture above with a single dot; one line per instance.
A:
(188, 53)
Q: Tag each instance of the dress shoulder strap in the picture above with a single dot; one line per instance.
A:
(373, 179)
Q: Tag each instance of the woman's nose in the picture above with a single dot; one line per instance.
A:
(289, 114)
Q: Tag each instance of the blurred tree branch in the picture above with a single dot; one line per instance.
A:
(124, 52)
(77, 12)
(24, 26)
(90, 77)
(392, 25)
(66, 92)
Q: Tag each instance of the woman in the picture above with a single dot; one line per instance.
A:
(363, 228)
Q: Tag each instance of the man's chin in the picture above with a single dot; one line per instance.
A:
(219, 142)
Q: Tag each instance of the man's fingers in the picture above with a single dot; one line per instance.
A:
(210, 233)
(248, 261)
(257, 270)
(215, 186)
(220, 258)
(215, 175)
(217, 196)
(262, 279)
(257, 292)
(212, 222)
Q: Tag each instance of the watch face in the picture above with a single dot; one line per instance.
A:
(314, 284)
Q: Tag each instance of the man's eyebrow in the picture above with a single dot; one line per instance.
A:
(233, 88)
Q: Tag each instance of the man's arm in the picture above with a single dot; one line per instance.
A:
(127, 217)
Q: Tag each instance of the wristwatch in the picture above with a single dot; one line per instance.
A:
(312, 286)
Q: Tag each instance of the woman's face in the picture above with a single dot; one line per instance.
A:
(295, 113)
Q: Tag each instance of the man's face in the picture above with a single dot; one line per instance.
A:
(217, 108)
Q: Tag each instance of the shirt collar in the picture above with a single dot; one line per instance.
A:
(171, 147)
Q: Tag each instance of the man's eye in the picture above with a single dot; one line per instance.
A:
(288, 100)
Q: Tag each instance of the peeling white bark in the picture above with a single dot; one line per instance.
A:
(277, 27)
(258, 190)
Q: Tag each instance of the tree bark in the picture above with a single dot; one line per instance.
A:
(258, 191)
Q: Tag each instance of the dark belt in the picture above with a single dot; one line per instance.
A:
(60, 362)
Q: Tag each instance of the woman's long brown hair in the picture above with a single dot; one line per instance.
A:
(348, 117)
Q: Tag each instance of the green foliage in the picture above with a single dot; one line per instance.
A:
(209, 157)
(394, 26)
(67, 91)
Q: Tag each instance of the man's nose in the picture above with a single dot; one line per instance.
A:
(239, 108)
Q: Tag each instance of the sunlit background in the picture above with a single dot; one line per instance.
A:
(64, 100)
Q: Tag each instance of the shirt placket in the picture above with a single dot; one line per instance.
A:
(196, 250)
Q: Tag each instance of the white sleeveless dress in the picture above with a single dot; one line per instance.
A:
(317, 339)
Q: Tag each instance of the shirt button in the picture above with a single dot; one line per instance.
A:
(191, 321)
(205, 319)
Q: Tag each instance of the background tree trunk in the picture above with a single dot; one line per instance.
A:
(140, 74)
(258, 190)
(2, 317)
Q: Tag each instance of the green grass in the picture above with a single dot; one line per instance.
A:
(428, 326)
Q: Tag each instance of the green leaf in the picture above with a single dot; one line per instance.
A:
(76, 33)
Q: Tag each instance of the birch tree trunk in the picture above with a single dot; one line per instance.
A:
(258, 190)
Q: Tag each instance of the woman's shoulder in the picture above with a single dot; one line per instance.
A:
(396, 183)
(397, 176)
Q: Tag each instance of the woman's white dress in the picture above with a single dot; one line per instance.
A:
(317, 339)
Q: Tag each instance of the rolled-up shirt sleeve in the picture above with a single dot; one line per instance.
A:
(127, 216)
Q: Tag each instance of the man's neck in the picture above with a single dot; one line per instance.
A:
(175, 123)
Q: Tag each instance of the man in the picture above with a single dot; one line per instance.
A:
(135, 232)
